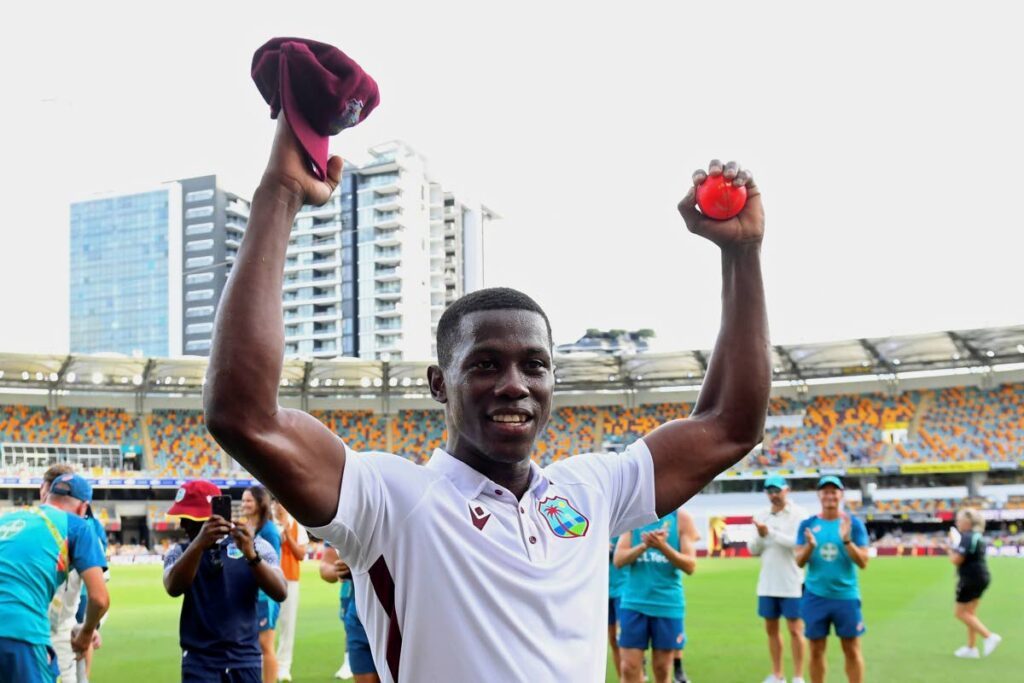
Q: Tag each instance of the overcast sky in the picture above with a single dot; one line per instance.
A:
(886, 138)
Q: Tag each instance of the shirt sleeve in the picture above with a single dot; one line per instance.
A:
(859, 533)
(266, 551)
(172, 556)
(377, 492)
(965, 544)
(84, 549)
(800, 533)
(627, 480)
(301, 537)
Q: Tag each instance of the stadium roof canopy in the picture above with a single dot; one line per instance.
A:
(892, 357)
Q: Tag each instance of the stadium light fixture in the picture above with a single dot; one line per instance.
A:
(39, 377)
(990, 353)
(327, 382)
(378, 382)
(315, 382)
(419, 381)
(124, 379)
(137, 380)
(1020, 349)
(24, 376)
(895, 361)
(1, 374)
(406, 381)
(393, 382)
(97, 378)
(71, 377)
(53, 376)
(865, 364)
(341, 382)
(956, 356)
(181, 380)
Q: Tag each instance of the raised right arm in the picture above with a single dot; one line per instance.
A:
(290, 451)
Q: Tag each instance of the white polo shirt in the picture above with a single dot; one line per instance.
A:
(780, 576)
(456, 580)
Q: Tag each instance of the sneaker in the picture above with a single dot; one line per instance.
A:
(345, 672)
(796, 680)
(967, 653)
(285, 677)
(772, 678)
(991, 643)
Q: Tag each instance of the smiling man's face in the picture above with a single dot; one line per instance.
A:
(498, 386)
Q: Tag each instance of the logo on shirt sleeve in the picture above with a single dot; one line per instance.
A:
(478, 515)
(565, 520)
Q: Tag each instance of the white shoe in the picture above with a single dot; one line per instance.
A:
(773, 679)
(284, 676)
(967, 653)
(798, 680)
(344, 672)
(991, 643)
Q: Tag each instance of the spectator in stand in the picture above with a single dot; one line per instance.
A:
(221, 579)
(293, 550)
(969, 557)
(780, 585)
(256, 507)
(38, 546)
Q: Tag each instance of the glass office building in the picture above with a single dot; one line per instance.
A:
(123, 247)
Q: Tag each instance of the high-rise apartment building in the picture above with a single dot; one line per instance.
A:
(367, 275)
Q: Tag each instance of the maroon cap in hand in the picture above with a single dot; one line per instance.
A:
(321, 90)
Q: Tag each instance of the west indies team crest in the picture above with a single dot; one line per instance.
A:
(565, 520)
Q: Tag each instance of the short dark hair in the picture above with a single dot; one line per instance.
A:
(491, 299)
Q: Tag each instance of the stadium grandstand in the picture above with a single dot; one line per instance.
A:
(920, 425)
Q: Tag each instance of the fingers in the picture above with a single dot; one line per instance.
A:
(715, 167)
(334, 166)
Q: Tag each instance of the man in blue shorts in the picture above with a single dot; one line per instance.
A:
(780, 584)
(832, 545)
(38, 546)
(220, 571)
(652, 604)
(358, 658)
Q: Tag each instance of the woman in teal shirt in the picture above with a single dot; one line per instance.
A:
(256, 504)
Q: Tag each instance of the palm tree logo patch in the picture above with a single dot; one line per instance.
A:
(565, 520)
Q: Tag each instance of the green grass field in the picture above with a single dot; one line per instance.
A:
(907, 606)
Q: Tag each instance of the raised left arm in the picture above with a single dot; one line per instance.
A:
(728, 420)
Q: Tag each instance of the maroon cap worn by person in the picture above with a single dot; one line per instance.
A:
(193, 500)
(321, 90)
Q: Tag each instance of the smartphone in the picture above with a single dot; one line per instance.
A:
(222, 506)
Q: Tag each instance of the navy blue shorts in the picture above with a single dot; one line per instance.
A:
(22, 662)
(820, 614)
(613, 611)
(192, 672)
(360, 658)
(638, 631)
(770, 607)
(266, 614)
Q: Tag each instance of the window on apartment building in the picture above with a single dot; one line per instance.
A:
(199, 295)
(199, 212)
(199, 245)
(198, 345)
(199, 229)
(199, 261)
(198, 196)
(198, 278)
(198, 311)
(199, 328)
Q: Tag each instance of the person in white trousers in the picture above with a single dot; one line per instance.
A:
(293, 550)
(780, 585)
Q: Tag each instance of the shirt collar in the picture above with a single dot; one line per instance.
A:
(470, 483)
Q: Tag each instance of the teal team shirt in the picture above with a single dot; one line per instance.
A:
(616, 577)
(272, 535)
(830, 571)
(33, 564)
(653, 585)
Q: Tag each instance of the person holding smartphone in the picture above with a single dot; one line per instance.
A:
(220, 571)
